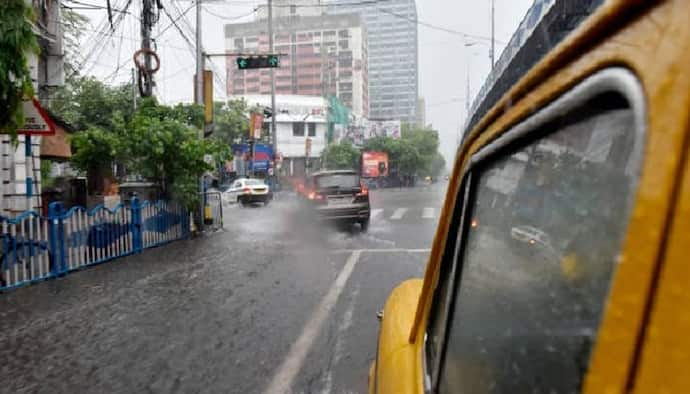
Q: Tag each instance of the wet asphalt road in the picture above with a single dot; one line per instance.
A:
(273, 303)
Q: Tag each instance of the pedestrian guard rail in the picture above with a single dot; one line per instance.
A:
(35, 247)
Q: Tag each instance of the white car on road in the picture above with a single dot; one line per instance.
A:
(247, 191)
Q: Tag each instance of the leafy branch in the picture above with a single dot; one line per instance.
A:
(17, 41)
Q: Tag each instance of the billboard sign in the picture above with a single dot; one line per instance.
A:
(359, 132)
(374, 164)
(262, 156)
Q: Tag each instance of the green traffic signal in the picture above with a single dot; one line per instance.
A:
(262, 61)
(273, 61)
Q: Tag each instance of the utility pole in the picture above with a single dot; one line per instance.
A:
(199, 80)
(199, 99)
(134, 88)
(493, 17)
(146, 27)
(274, 129)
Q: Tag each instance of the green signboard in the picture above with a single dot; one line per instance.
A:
(262, 61)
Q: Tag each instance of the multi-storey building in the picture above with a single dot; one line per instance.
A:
(47, 73)
(392, 36)
(323, 55)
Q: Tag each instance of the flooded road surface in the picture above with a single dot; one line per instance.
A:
(275, 302)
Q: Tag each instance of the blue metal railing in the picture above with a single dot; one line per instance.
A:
(35, 247)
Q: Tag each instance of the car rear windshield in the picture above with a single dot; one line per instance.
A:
(254, 182)
(337, 180)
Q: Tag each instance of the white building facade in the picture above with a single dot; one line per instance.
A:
(299, 119)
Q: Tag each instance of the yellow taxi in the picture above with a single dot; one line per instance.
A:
(561, 262)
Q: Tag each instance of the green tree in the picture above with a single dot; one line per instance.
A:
(438, 164)
(161, 146)
(94, 152)
(407, 157)
(87, 102)
(17, 41)
(160, 143)
(341, 156)
(414, 153)
(230, 121)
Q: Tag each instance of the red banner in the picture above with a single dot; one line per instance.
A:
(374, 164)
(257, 122)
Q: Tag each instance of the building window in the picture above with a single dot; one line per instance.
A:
(312, 129)
(298, 129)
(343, 44)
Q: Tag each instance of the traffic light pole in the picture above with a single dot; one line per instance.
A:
(199, 99)
(274, 130)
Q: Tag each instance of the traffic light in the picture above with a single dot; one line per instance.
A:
(262, 61)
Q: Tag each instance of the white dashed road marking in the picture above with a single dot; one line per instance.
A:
(283, 379)
(376, 212)
(399, 213)
(428, 213)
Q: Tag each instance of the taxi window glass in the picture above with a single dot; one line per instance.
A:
(536, 269)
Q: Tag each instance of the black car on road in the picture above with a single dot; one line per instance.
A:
(339, 196)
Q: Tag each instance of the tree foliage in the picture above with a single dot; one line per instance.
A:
(160, 143)
(95, 149)
(164, 148)
(230, 121)
(17, 41)
(341, 156)
(86, 102)
(415, 153)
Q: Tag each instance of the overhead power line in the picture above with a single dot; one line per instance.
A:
(89, 6)
(101, 46)
(190, 30)
(436, 27)
(330, 4)
(173, 22)
(230, 18)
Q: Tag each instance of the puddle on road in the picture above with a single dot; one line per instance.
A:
(284, 224)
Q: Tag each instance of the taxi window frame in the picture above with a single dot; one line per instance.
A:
(613, 79)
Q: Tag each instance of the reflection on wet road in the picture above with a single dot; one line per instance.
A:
(274, 302)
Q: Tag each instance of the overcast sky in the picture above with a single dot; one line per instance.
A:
(443, 57)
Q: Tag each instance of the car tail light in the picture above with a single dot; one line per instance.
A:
(363, 191)
(246, 190)
(475, 223)
(316, 196)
